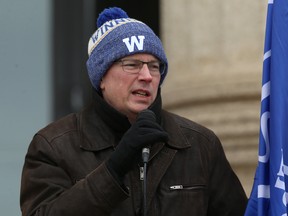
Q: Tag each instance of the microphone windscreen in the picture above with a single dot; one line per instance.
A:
(147, 114)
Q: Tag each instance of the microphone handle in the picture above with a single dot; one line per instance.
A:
(145, 155)
(145, 158)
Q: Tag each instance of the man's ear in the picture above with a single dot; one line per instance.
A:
(102, 84)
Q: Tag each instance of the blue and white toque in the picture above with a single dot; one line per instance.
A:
(118, 36)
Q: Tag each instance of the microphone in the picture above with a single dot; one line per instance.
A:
(145, 157)
(145, 154)
(146, 151)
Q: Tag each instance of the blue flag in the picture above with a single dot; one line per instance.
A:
(269, 194)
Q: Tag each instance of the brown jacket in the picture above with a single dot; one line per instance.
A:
(64, 173)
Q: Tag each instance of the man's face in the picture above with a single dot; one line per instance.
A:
(130, 93)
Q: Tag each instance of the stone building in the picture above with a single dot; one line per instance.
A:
(215, 51)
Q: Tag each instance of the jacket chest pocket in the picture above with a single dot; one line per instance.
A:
(182, 199)
(187, 187)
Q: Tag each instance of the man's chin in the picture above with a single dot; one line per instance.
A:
(138, 108)
(133, 111)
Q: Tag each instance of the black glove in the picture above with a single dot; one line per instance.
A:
(145, 131)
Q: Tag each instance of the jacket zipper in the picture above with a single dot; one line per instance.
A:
(141, 169)
(183, 187)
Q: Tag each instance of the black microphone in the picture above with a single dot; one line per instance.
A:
(146, 151)
(145, 157)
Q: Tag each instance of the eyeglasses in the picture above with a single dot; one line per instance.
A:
(134, 66)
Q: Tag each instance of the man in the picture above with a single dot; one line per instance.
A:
(89, 163)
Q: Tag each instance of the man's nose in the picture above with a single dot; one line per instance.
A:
(144, 73)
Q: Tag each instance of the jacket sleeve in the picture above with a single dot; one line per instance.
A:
(47, 190)
(227, 196)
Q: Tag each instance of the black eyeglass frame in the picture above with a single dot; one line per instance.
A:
(140, 66)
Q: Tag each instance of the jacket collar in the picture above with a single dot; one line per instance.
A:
(177, 138)
(98, 136)
(101, 126)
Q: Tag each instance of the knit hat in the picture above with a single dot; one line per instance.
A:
(118, 36)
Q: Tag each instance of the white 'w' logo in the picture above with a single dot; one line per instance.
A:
(131, 42)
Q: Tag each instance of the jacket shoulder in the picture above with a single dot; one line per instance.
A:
(185, 124)
(59, 127)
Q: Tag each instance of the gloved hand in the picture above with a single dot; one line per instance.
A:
(145, 131)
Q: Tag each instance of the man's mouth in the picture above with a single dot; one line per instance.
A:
(141, 93)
